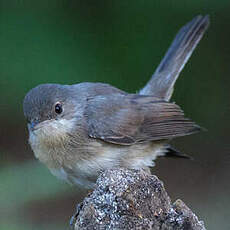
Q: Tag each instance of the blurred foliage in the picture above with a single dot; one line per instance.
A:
(121, 43)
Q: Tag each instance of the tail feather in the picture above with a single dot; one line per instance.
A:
(162, 82)
(172, 152)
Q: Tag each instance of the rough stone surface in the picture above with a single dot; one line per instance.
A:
(132, 199)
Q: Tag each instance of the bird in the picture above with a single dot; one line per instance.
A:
(81, 130)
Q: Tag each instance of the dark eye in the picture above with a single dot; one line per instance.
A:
(58, 108)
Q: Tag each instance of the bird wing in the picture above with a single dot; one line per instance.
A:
(129, 119)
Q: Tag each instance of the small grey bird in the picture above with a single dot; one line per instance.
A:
(79, 130)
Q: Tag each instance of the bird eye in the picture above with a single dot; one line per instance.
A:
(58, 108)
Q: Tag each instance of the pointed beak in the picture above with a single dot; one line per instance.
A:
(36, 124)
(32, 125)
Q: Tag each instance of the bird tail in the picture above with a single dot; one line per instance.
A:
(162, 81)
(172, 152)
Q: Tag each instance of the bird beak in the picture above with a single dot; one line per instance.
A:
(35, 125)
(32, 125)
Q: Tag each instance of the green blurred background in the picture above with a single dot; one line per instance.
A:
(121, 43)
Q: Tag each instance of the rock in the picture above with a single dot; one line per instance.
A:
(132, 199)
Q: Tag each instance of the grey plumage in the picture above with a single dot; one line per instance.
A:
(162, 82)
(97, 126)
(132, 119)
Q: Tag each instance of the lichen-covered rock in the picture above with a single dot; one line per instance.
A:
(132, 199)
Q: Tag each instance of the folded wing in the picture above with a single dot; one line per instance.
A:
(130, 119)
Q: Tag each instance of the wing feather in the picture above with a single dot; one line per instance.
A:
(130, 119)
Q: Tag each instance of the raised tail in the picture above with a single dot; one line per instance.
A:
(162, 82)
